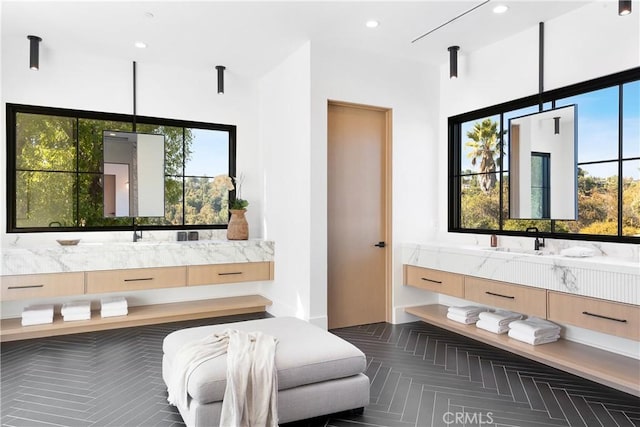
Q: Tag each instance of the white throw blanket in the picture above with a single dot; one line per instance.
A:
(251, 395)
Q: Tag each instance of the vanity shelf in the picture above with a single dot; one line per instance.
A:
(12, 329)
(613, 370)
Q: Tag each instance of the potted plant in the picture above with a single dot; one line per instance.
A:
(238, 228)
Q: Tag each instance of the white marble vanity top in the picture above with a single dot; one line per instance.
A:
(53, 258)
(616, 279)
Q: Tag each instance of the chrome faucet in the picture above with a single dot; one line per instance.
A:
(136, 236)
(537, 244)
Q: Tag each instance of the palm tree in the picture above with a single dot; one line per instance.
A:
(485, 145)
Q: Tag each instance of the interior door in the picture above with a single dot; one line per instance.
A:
(357, 215)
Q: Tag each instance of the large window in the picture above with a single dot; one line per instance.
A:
(608, 164)
(55, 176)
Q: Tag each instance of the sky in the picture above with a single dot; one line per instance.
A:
(597, 129)
(210, 153)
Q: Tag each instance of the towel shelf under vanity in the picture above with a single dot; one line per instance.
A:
(79, 284)
(609, 317)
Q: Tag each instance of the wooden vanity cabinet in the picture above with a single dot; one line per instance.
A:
(521, 299)
(32, 286)
(135, 279)
(434, 280)
(216, 274)
(609, 317)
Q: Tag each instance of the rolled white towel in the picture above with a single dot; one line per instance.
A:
(113, 303)
(467, 320)
(114, 313)
(529, 339)
(76, 316)
(492, 326)
(501, 317)
(535, 326)
(29, 321)
(467, 310)
(38, 311)
(76, 307)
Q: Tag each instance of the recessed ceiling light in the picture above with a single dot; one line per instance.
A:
(140, 45)
(372, 23)
(500, 8)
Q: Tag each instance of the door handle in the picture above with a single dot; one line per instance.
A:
(380, 244)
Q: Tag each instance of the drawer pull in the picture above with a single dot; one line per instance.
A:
(499, 295)
(431, 280)
(26, 287)
(230, 273)
(605, 317)
(143, 279)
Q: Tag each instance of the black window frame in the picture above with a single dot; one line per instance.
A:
(11, 114)
(454, 130)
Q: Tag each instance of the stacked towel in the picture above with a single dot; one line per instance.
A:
(37, 314)
(76, 310)
(114, 306)
(534, 331)
(467, 314)
(498, 321)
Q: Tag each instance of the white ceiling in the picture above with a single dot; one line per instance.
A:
(250, 38)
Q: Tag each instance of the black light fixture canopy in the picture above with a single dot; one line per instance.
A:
(220, 69)
(624, 7)
(453, 61)
(34, 52)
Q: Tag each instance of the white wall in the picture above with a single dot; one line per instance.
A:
(410, 90)
(285, 149)
(591, 42)
(97, 83)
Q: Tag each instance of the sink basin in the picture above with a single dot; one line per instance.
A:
(518, 251)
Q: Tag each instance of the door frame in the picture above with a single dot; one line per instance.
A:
(388, 196)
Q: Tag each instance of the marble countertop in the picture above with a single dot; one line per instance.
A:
(122, 255)
(611, 278)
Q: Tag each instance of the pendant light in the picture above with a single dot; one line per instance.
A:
(453, 61)
(220, 69)
(34, 52)
(624, 7)
(556, 125)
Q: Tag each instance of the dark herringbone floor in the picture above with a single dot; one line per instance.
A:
(420, 376)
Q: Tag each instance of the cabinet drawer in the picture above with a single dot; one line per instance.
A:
(135, 279)
(41, 285)
(609, 317)
(434, 280)
(216, 274)
(521, 299)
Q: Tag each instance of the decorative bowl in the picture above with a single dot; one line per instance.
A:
(69, 242)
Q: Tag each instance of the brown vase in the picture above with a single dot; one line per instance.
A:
(238, 228)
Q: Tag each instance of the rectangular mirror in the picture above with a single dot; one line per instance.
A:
(543, 174)
(133, 167)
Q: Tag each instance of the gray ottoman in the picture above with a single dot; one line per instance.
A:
(318, 372)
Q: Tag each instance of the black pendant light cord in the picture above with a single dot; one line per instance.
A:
(541, 66)
(134, 96)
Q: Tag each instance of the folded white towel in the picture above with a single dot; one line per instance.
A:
(77, 316)
(535, 326)
(467, 310)
(76, 307)
(529, 339)
(113, 303)
(38, 310)
(501, 317)
(492, 326)
(113, 313)
(467, 320)
(37, 320)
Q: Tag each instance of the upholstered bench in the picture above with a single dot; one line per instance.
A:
(318, 372)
